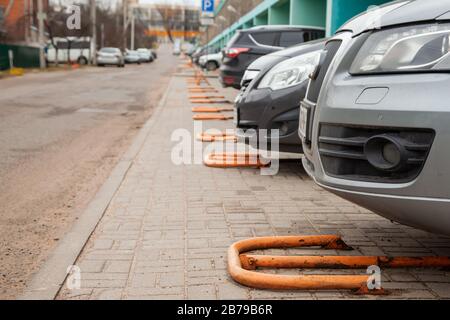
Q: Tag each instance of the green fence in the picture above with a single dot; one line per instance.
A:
(24, 56)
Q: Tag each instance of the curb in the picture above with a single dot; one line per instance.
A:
(47, 282)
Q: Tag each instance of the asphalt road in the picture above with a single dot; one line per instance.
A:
(61, 134)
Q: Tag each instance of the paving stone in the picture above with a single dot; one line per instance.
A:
(166, 232)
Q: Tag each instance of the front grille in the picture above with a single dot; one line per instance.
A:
(342, 151)
(315, 85)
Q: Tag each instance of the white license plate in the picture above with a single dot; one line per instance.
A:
(304, 118)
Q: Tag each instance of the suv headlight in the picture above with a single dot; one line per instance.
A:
(406, 49)
(290, 72)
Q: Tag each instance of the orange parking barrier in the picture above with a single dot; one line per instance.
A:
(233, 160)
(206, 97)
(203, 91)
(213, 137)
(210, 109)
(212, 101)
(202, 117)
(239, 264)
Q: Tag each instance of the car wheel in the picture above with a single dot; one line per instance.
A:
(211, 66)
(82, 61)
(100, 65)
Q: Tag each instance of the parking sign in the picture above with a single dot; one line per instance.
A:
(208, 6)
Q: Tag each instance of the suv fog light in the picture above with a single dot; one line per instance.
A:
(386, 153)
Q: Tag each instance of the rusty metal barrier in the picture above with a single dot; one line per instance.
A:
(206, 97)
(202, 90)
(203, 117)
(198, 79)
(211, 101)
(233, 160)
(213, 137)
(210, 109)
(240, 264)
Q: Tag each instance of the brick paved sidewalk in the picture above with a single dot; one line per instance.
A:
(167, 230)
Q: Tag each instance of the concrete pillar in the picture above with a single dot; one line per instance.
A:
(262, 19)
(280, 13)
(308, 13)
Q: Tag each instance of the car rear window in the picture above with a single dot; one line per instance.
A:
(265, 38)
(289, 39)
(234, 39)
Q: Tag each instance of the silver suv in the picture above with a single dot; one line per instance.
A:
(375, 124)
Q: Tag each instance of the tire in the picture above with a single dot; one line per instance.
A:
(82, 61)
(211, 66)
(100, 65)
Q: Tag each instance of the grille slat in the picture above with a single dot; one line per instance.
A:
(342, 154)
(341, 150)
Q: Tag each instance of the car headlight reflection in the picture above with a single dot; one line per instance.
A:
(406, 49)
(290, 72)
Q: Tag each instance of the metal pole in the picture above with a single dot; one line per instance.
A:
(125, 23)
(94, 31)
(102, 35)
(132, 29)
(41, 17)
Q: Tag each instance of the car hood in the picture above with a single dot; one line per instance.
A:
(268, 61)
(398, 13)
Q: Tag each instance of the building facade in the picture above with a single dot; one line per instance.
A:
(19, 20)
(327, 14)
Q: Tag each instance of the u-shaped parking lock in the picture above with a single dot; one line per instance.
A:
(213, 137)
(211, 101)
(240, 265)
(210, 109)
(234, 160)
(203, 90)
(206, 97)
(210, 116)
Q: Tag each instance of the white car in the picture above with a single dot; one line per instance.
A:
(211, 62)
(145, 54)
(110, 56)
(132, 56)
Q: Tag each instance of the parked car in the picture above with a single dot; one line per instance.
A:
(110, 56)
(248, 45)
(199, 53)
(375, 120)
(70, 49)
(211, 61)
(132, 56)
(272, 100)
(145, 54)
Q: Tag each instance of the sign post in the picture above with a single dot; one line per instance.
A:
(207, 15)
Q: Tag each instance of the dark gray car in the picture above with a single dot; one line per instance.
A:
(375, 122)
(271, 101)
